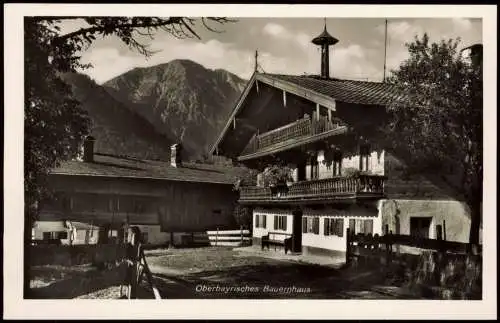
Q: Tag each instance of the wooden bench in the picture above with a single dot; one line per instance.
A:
(270, 239)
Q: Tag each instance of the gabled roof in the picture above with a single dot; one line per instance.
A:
(348, 91)
(125, 167)
(325, 92)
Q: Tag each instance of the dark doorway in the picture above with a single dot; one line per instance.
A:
(297, 231)
(420, 227)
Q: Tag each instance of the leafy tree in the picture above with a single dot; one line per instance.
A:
(439, 119)
(55, 124)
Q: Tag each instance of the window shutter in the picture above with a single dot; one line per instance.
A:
(325, 226)
(340, 231)
(304, 225)
(316, 225)
(284, 222)
(264, 222)
(368, 226)
(360, 228)
(275, 222)
(352, 226)
(257, 216)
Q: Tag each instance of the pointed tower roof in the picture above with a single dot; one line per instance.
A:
(325, 38)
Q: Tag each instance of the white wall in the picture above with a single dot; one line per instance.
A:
(155, 236)
(270, 214)
(336, 242)
(455, 214)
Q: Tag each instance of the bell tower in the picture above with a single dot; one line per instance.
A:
(325, 40)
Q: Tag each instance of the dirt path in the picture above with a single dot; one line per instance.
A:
(215, 273)
(227, 273)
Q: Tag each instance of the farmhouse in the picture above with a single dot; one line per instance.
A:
(97, 196)
(313, 140)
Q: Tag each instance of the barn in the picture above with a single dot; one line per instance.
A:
(107, 192)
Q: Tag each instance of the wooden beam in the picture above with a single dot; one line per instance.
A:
(239, 104)
(284, 98)
(329, 115)
(317, 111)
(292, 88)
(257, 86)
(234, 123)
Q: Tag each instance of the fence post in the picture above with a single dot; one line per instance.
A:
(439, 232)
(216, 236)
(439, 238)
(444, 230)
(241, 234)
(347, 247)
(388, 245)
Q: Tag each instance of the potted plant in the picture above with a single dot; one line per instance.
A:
(278, 177)
(351, 172)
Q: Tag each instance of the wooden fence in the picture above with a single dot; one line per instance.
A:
(233, 238)
(375, 246)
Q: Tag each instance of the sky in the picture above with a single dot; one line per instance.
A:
(284, 46)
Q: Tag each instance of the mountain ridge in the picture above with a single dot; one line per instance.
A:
(182, 99)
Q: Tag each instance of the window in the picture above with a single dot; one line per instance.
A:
(420, 226)
(260, 220)
(144, 237)
(314, 167)
(361, 226)
(364, 152)
(337, 163)
(310, 225)
(280, 222)
(334, 227)
(62, 235)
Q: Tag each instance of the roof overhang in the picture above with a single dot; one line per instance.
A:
(287, 87)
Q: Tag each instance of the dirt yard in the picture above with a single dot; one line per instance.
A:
(216, 272)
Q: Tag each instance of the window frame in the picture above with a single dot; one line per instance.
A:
(333, 227)
(337, 163)
(260, 220)
(364, 157)
(280, 222)
(312, 224)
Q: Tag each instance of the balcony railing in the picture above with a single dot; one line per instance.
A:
(301, 128)
(320, 189)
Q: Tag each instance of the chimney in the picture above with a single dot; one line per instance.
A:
(88, 149)
(325, 40)
(175, 155)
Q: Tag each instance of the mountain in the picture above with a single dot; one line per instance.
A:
(181, 99)
(117, 129)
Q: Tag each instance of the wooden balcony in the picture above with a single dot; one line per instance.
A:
(291, 135)
(317, 191)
